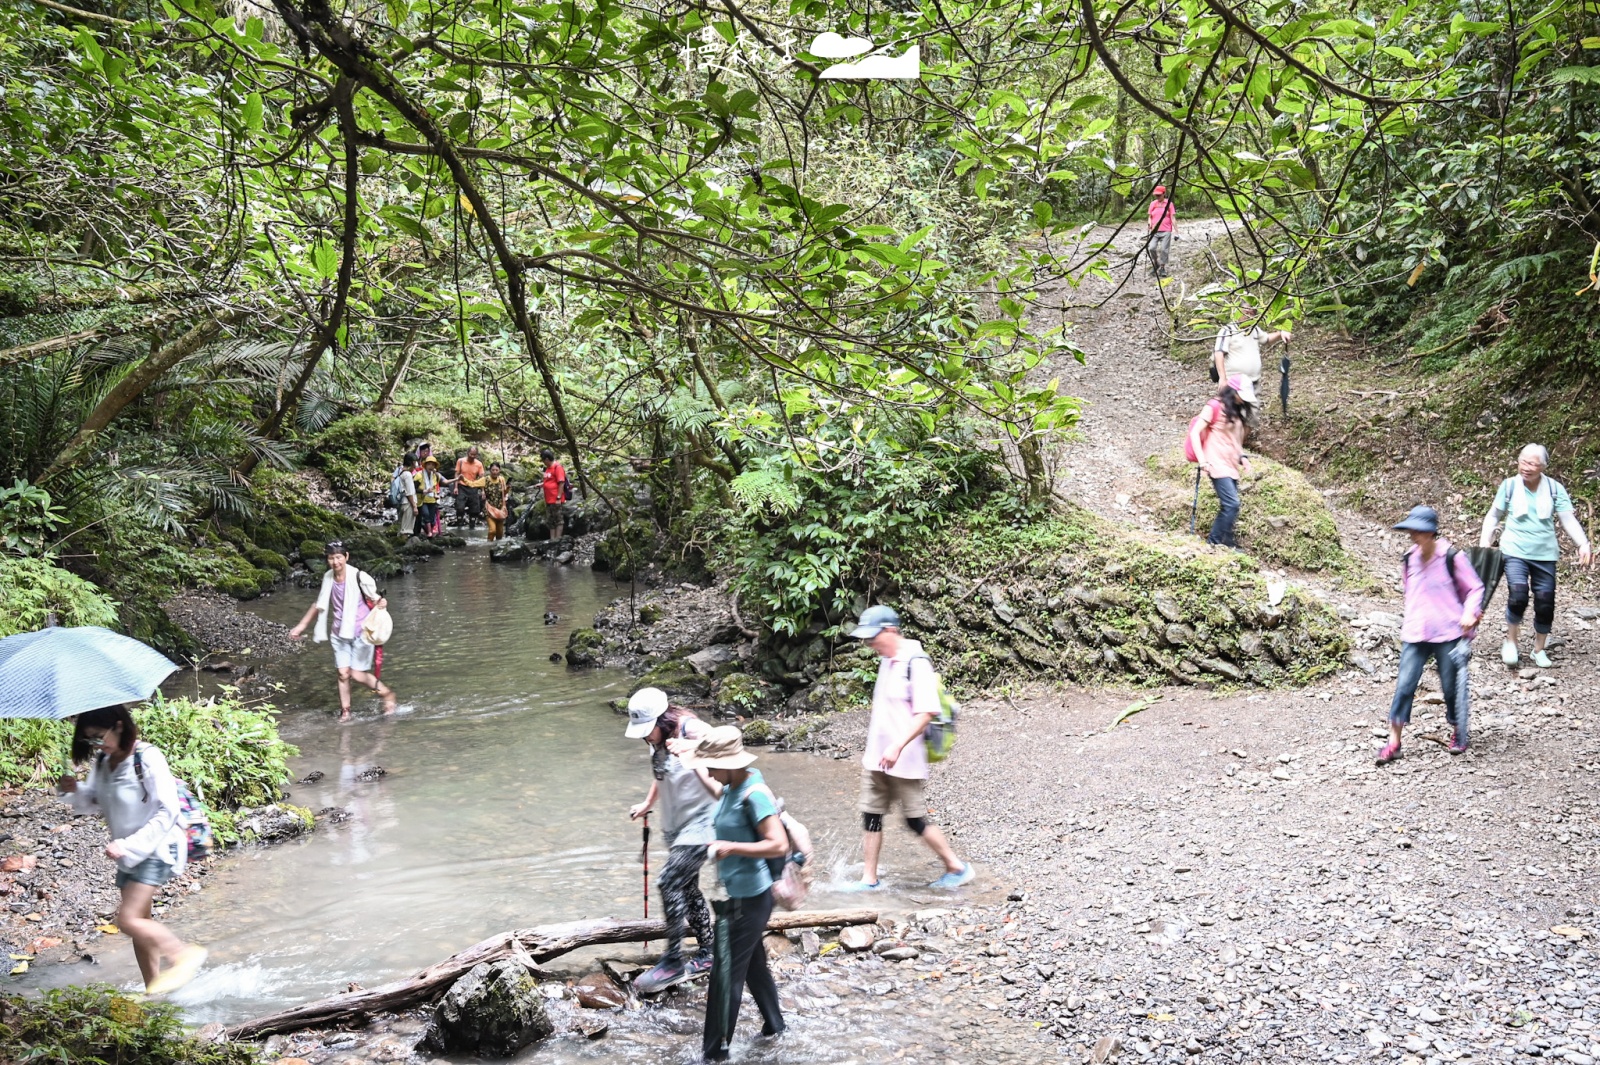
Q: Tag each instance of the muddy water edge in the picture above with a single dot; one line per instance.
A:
(496, 798)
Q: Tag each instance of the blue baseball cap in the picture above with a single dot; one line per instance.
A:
(1421, 519)
(874, 620)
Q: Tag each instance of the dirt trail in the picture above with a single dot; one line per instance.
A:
(1138, 399)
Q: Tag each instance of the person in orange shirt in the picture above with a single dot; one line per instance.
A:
(469, 480)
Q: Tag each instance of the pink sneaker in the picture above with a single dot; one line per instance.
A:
(1389, 754)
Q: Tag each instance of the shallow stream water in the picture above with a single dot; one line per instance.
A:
(503, 804)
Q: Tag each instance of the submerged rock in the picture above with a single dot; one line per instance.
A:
(508, 551)
(493, 1011)
(274, 823)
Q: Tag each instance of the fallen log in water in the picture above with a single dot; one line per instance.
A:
(539, 944)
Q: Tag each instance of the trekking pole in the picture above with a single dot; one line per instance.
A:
(645, 857)
(1194, 511)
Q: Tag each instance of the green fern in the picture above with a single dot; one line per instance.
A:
(765, 489)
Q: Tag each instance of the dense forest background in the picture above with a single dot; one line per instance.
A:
(778, 323)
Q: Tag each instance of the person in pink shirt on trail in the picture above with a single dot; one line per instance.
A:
(1444, 603)
(1216, 436)
(1163, 219)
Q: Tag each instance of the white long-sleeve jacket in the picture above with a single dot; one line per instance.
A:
(143, 814)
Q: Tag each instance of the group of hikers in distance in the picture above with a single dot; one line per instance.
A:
(417, 492)
(1446, 591)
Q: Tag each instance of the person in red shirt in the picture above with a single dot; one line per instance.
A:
(556, 490)
(1163, 219)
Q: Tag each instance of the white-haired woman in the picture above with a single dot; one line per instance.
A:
(1530, 505)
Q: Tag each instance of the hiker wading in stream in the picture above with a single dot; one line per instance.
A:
(1530, 504)
(1216, 436)
(347, 595)
(557, 491)
(684, 799)
(1444, 603)
(748, 832)
(130, 785)
(895, 764)
(496, 502)
(469, 488)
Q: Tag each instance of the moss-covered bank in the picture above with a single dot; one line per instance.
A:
(1283, 520)
(101, 1026)
(1072, 598)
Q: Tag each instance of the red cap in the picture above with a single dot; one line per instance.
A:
(1161, 190)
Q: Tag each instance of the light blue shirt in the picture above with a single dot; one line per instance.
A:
(1530, 518)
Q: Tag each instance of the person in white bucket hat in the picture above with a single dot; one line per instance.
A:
(684, 799)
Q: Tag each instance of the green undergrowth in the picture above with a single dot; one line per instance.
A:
(35, 590)
(1283, 519)
(99, 1025)
(227, 750)
(1072, 597)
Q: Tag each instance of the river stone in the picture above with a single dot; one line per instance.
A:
(1250, 645)
(508, 551)
(273, 823)
(857, 938)
(712, 660)
(597, 991)
(584, 647)
(1113, 635)
(493, 1011)
(1003, 611)
(1587, 613)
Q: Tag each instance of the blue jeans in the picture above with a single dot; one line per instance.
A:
(1413, 657)
(1521, 575)
(1227, 489)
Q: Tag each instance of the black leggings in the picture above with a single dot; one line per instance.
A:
(681, 898)
(747, 954)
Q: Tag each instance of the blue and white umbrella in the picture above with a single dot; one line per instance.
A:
(57, 673)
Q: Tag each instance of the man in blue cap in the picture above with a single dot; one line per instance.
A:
(1444, 603)
(895, 764)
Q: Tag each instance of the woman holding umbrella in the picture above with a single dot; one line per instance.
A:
(130, 786)
(749, 832)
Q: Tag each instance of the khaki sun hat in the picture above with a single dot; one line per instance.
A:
(721, 748)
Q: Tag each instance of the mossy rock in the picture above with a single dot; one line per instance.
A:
(420, 547)
(1283, 520)
(651, 613)
(246, 584)
(384, 568)
(743, 694)
(845, 690)
(312, 550)
(261, 558)
(763, 731)
(450, 540)
(676, 677)
(584, 648)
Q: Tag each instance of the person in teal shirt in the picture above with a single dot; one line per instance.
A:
(749, 832)
(1531, 504)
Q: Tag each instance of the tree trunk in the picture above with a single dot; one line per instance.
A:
(540, 944)
(129, 389)
(396, 379)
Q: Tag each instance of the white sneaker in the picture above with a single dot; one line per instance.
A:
(1508, 653)
(1542, 660)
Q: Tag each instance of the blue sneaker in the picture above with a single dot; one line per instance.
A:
(955, 880)
(858, 886)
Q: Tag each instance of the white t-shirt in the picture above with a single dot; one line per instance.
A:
(1241, 350)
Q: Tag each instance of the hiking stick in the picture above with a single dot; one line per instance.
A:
(1194, 511)
(645, 857)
